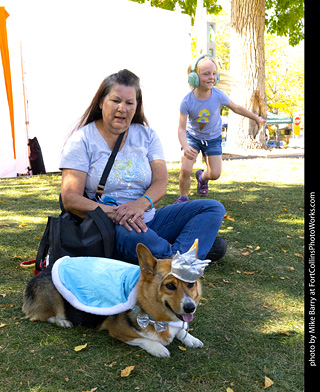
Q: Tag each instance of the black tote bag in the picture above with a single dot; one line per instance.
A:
(68, 235)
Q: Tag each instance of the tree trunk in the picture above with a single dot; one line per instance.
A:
(247, 65)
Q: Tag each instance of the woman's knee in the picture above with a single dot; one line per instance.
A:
(214, 206)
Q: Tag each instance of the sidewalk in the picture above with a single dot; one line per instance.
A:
(285, 152)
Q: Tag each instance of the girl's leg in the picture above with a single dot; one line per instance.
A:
(214, 167)
(185, 176)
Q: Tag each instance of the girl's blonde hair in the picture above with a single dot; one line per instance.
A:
(191, 67)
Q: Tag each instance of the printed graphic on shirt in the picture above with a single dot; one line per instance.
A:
(203, 118)
(130, 175)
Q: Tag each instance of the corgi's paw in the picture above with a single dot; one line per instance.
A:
(60, 322)
(158, 350)
(151, 346)
(189, 340)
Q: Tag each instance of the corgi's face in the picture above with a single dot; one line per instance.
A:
(163, 296)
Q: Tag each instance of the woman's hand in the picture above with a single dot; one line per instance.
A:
(130, 214)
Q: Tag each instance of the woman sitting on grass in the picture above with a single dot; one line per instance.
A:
(137, 180)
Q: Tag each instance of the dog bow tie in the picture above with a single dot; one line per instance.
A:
(143, 321)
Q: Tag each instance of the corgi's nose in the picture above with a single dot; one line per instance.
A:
(189, 307)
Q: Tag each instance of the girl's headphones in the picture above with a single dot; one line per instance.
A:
(193, 78)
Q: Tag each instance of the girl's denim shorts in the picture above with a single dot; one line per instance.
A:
(207, 147)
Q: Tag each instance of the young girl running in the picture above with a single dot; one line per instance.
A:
(200, 126)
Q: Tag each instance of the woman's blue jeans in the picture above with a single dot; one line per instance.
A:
(174, 228)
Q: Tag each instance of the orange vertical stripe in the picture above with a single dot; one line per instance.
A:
(6, 70)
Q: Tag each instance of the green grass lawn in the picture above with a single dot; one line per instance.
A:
(250, 317)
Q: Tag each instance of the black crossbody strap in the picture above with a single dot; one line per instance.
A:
(108, 167)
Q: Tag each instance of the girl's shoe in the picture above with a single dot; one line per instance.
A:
(218, 250)
(181, 199)
(202, 187)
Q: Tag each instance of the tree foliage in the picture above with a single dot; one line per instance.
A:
(187, 7)
(284, 77)
(283, 17)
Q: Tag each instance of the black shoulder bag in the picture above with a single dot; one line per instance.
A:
(70, 235)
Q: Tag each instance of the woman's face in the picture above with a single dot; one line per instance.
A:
(118, 108)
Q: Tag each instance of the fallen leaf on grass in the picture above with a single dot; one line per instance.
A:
(229, 218)
(284, 333)
(245, 253)
(22, 225)
(248, 273)
(182, 348)
(267, 382)
(229, 390)
(1, 202)
(298, 255)
(283, 250)
(126, 372)
(2, 325)
(81, 347)
(257, 248)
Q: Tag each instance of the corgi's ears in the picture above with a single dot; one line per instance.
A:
(195, 245)
(146, 261)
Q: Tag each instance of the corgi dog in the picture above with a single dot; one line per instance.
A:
(166, 300)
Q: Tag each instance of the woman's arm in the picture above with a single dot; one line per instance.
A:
(246, 113)
(133, 211)
(72, 189)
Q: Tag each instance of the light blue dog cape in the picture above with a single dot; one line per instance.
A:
(96, 285)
